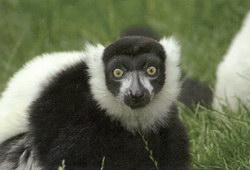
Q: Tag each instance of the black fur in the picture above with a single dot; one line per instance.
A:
(66, 124)
(194, 92)
(133, 46)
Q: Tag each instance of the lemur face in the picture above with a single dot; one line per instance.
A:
(134, 70)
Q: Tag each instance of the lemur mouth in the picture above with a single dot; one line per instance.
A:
(137, 105)
(137, 102)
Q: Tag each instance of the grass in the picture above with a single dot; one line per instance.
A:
(218, 140)
(150, 152)
(204, 28)
(62, 167)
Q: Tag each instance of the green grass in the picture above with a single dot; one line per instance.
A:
(204, 28)
(218, 141)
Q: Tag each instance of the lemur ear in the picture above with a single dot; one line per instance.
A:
(172, 49)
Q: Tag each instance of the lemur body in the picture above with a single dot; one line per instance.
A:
(232, 86)
(101, 103)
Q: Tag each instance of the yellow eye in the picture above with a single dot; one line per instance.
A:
(118, 73)
(151, 70)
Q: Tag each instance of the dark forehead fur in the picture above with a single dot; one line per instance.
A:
(133, 46)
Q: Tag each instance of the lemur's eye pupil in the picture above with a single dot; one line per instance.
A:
(151, 70)
(118, 73)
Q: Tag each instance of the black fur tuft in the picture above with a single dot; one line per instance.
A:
(194, 92)
(133, 46)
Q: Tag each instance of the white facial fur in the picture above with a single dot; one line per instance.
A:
(146, 118)
(146, 83)
(126, 83)
(233, 74)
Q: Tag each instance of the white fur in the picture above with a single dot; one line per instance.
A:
(28, 164)
(233, 74)
(149, 117)
(146, 83)
(26, 160)
(126, 83)
(25, 86)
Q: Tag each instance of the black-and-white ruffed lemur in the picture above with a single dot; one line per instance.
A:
(115, 102)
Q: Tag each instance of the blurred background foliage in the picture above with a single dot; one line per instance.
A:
(204, 28)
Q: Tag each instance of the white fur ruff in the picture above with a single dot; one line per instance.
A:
(233, 74)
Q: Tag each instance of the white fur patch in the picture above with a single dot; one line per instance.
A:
(26, 160)
(31, 163)
(233, 74)
(146, 83)
(25, 86)
(126, 83)
(149, 117)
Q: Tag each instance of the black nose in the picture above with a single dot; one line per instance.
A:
(137, 95)
(136, 99)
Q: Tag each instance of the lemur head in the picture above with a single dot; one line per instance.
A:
(134, 69)
(135, 80)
